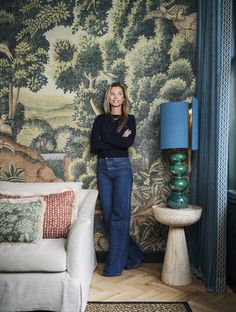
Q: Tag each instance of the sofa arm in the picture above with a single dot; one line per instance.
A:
(80, 245)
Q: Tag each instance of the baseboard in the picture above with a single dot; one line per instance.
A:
(149, 257)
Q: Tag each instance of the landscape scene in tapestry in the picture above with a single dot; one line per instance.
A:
(56, 59)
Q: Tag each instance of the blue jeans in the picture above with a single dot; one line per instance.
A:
(115, 181)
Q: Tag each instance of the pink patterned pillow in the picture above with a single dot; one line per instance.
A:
(59, 213)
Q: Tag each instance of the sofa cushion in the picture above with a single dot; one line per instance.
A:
(61, 209)
(21, 220)
(46, 255)
(59, 214)
(39, 187)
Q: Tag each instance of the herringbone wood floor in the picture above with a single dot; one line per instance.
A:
(144, 284)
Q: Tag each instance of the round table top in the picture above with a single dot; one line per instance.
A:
(177, 217)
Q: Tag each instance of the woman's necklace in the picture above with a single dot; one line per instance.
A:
(115, 117)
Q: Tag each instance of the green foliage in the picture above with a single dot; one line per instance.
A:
(6, 17)
(152, 188)
(181, 69)
(13, 174)
(154, 184)
(183, 47)
(91, 16)
(192, 87)
(23, 33)
(136, 25)
(111, 51)
(145, 59)
(19, 121)
(140, 109)
(75, 146)
(77, 168)
(5, 71)
(149, 128)
(83, 67)
(83, 112)
(28, 67)
(164, 31)
(8, 25)
(42, 16)
(65, 77)
(32, 129)
(119, 70)
(62, 136)
(174, 90)
(83, 168)
(5, 76)
(89, 61)
(89, 177)
(119, 17)
(44, 143)
(137, 160)
(147, 88)
(153, 235)
(64, 50)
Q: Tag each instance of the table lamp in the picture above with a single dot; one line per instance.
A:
(179, 133)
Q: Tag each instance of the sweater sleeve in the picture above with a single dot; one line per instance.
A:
(95, 139)
(117, 140)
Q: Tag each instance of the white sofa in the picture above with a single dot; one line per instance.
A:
(51, 274)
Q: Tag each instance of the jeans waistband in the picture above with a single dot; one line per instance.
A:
(122, 157)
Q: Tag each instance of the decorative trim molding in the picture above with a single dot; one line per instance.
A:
(223, 133)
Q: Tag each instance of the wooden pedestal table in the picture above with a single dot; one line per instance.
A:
(176, 268)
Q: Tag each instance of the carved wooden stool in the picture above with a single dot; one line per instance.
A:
(176, 269)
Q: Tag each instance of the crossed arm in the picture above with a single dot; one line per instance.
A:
(109, 140)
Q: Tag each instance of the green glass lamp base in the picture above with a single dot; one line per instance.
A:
(177, 200)
(179, 183)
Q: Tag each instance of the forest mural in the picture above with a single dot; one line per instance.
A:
(56, 59)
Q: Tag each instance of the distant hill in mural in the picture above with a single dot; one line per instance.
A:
(49, 108)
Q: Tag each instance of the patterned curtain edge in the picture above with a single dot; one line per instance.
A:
(223, 134)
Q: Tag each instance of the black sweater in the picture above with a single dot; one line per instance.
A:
(106, 141)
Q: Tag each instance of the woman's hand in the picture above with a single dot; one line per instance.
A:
(126, 133)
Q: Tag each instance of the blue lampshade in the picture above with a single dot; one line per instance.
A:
(194, 123)
(174, 118)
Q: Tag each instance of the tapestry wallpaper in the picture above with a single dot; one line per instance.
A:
(56, 59)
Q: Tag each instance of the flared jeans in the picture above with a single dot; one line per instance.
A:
(115, 181)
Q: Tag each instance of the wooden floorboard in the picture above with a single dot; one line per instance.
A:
(144, 284)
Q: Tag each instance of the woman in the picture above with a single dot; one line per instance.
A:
(112, 134)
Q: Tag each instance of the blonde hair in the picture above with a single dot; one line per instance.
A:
(124, 108)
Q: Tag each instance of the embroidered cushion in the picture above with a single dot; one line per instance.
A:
(21, 220)
(59, 214)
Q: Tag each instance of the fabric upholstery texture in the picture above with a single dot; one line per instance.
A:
(59, 212)
(46, 255)
(43, 188)
(58, 216)
(21, 220)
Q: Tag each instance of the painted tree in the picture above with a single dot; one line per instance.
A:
(80, 71)
(183, 46)
(119, 16)
(91, 16)
(181, 68)
(144, 60)
(111, 51)
(137, 26)
(25, 23)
